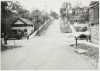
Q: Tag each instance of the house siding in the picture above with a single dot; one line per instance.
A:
(94, 22)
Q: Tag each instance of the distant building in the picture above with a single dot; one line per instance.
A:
(79, 15)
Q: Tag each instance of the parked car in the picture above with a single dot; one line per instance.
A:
(82, 33)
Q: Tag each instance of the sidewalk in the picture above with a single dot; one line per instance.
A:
(32, 35)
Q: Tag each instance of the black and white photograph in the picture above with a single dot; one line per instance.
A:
(49, 34)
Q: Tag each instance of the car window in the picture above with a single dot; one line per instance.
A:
(80, 29)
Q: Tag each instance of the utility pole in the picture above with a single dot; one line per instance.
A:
(5, 34)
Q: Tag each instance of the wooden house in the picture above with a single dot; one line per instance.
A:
(21, 27)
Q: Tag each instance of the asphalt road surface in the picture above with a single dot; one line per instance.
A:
(49, 51)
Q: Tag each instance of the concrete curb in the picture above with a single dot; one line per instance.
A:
(87, 43)
(31, 36)
(91, 44)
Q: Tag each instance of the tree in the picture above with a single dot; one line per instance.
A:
(17, 8)
(54, 15)
(64, 10)
(9, 11)
(4, 14)
(36, 18)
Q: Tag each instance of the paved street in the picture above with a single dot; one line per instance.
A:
(51, 50)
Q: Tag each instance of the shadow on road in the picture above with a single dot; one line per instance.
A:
(6, 47)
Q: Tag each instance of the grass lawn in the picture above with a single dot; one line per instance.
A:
(91, 51)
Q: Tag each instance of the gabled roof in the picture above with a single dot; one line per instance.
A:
(94, 4)
(25, 21)
(11, 19)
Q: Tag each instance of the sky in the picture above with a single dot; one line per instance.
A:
(50, 4)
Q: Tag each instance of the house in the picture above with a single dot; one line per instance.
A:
(16, 27)
(94, 12)
(22, 25)
(94, 21)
